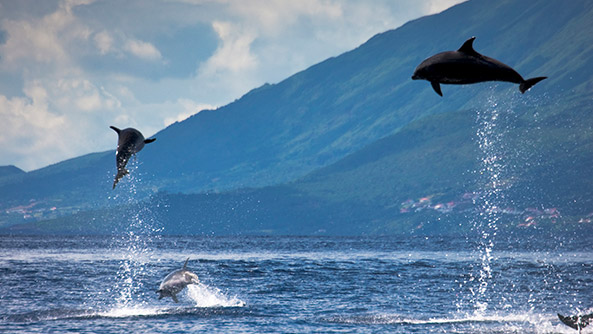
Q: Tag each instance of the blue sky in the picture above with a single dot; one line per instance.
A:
(71, 68)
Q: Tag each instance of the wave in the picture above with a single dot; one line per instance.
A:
(207, 301)
(137, 311)
(206, 296)
(509, 323)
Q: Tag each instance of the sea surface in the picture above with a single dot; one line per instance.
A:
(251, 284)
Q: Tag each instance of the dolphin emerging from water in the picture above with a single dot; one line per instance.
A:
(577, 322)
(466, 66)
(177, 281)
(130, 141)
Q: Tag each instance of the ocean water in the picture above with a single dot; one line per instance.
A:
(410, 284)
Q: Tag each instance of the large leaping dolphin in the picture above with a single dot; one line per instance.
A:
(577, 322)
(466, 66)
(130, 141)
(177, 281)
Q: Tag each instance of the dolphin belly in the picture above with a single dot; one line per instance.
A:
(461, 73)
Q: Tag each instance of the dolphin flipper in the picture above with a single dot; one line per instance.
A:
(148, 141)
(185, 264)
(175, 298)
(525, 85)
(437, 87)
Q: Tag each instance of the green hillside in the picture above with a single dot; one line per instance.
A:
(432, 177)
(349, 140)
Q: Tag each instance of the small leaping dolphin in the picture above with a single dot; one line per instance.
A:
(577, 322)
(130, 141)
(177, 281)
(466, 66)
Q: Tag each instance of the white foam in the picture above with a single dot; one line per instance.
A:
(205, 296)
(131, 311)
(503, 323)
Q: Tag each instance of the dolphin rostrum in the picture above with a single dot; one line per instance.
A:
(466, 66)
(130, 141)
(577, 322)
(177, 281)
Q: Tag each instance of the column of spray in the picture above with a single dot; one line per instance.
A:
(136, 239)
(490, 139)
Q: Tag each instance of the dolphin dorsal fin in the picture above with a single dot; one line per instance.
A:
(185, 264)
(115, 129)
(468, 46)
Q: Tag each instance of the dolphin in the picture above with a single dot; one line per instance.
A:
(130, 141)
(466, 66)
(577, 322)
(177, 281)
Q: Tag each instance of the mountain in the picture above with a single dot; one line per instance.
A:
(10, 171)
(434, 176)
(326, 134)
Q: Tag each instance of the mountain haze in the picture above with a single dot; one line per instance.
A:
(349, 139)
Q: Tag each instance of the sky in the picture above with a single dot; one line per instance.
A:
(71, 68)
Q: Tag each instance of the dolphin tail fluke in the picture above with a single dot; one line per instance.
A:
(115, 129)
(525, 85)
(150, 140)
(577, 322)
(568, 321)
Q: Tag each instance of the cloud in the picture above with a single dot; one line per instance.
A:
(26, 128)
(42, 40)
(189, 108)
(274, 16)
(437, 6)
(142, 50)
(234, 54)
(104, 42)
(83, 95)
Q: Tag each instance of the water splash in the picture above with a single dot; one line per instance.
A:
(140, 230)
(135, 279)
(491, 167)
(206, 296)
(132, 311)
(493, 175)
